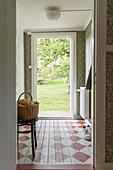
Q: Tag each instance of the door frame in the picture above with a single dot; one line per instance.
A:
(72, 37)
(100, 26)
(8, 33)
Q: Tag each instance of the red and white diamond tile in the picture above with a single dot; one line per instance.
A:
(58, 142)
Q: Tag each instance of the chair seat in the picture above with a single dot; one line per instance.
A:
(28, 121)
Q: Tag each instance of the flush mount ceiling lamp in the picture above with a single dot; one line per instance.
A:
(55, 13)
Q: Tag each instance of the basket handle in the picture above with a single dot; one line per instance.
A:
(22, 94)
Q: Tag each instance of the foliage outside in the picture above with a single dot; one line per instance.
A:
(53, 58)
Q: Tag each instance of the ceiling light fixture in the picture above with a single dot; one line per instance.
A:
(55, 13)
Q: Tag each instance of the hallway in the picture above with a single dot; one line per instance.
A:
(59, 142)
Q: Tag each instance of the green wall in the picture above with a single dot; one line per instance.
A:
(27, 62)
(80, 66)
(109, 86)
(83, 55)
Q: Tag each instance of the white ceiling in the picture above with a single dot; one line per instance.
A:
(31, 14)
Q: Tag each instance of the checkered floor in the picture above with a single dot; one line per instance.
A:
(59, 142)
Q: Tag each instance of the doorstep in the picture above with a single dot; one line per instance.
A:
(55, 167)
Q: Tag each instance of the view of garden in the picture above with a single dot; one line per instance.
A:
(53, 73)
(54, 95)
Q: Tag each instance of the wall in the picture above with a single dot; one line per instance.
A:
(83, 63)
(80, 66)
(19, 62)
(7, 85)
(109, 84)
(27, 63)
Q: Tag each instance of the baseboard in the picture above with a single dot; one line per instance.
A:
(54, 167)
(104, 166)
(78, 117)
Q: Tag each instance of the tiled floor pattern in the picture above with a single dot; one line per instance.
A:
(59, 142)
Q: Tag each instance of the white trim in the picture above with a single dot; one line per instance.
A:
(34, 67)
(100, 56)
(104, 166)
(49, 30)
(53, 35)
(93, 91)
(88, 21)
(72, 63)
(73, 75)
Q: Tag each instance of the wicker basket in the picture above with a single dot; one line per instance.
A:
(24, 113)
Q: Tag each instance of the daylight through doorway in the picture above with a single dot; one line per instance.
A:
(53, 76)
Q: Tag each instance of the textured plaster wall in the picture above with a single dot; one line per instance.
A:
(109, 85)
(80, 66)
(27, 62)
(83, 54)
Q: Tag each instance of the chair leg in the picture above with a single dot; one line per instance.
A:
(17, 134)
(32, 139)
(35, 134)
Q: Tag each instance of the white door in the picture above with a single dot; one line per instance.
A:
(72, 37)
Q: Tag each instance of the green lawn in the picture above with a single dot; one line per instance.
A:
(53, 95)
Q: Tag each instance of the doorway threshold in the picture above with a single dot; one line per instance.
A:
(55, 114)
(55, 167)
(55, 118)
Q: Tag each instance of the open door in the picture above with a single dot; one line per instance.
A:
(72, 37)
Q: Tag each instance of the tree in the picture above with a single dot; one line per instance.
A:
(63, 70)
(54, 53)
